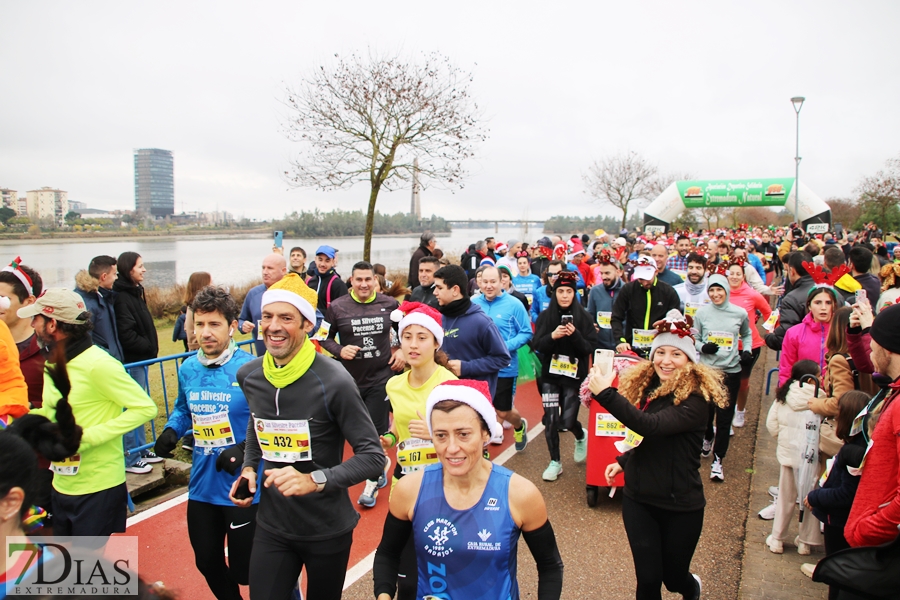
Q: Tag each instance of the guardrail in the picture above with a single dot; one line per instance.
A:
(164, 363)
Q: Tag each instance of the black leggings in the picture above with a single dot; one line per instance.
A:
(561, 406)
(208, 526)
(724, 416)
(276, 562)
(662, 546)
(375, 399)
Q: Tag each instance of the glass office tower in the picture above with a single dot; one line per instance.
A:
(154, 182)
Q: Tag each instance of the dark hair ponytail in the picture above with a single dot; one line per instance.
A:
(800, 368)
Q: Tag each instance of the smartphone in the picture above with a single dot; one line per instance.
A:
(861, 295)
(566, 319)
(279, 239)
(243, 489)
(604, 358)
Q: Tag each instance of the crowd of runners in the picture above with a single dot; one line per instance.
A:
(424, 368)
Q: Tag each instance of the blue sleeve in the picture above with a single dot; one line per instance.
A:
(496, 357)
(520, 321)
(246, 315)
(536, 305)
(180, 417)
(757, 264)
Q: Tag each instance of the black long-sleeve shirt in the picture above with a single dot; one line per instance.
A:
(328, 399)
(631, 306)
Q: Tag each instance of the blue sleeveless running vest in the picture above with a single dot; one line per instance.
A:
(465, 554)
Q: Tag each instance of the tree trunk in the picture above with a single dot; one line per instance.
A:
(624, 219)
(370, 224)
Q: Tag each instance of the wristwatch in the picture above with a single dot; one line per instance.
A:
(319, 479)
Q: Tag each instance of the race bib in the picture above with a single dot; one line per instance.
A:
(768, 255)
(283, 441)
(608, 426)
(690, 308)
(772, 322)
(724, 339)
(212, 431)
(642, 338)
(68, 466)
(529, 297)
(631, 441)
(560, 364)
(604, 319)
(414, 454)
(857, 425)
(322, 333)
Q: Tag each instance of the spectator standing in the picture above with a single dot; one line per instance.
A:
(793, 305)
(860, 264)
(297, 261)
(424, 293)
(95, 286)
(137, 335)
(196, 282)
(327, 283)
(427, 244)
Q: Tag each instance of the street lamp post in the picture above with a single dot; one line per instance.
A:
(797, 101)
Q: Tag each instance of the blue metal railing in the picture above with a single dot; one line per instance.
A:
(162, 362)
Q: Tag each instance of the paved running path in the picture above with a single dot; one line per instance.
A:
(166, 553)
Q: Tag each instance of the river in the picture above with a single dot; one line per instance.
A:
(230, 260)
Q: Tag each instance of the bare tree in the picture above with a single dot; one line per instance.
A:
(879, 196)
(621, 180)
(367, 119)
(661, 181)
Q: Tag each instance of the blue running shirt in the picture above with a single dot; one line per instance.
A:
(465, 554)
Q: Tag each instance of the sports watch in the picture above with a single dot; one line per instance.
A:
(319, 479)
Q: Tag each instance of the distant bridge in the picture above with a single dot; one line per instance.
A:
(496, 222)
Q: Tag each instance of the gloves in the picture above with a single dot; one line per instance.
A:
(707, 348)
(231, 459)
(746, 357)
(165, 443)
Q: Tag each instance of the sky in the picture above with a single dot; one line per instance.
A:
(694, 87)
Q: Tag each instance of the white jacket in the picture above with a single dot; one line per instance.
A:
(787, 421)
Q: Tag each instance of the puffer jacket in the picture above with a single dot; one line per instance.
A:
(805, 340)
(787, 421)
(134, 323)
(103, 313)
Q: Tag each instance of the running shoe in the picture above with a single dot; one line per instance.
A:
(497, 439)
(699, 586)
(707, 448)
(521, 436)
(383, 478)
(716, 472)
(148, 456)
(367, 498)
(774, 546)
(553, 471)
(773, 491)
(738, 418)
(507, 424)
(139, 468)
(581, 450)
(802, 549)
(808, 569)
(187, 442)
(768, 513)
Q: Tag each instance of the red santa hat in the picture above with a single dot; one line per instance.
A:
(416, 313)
(472, 392)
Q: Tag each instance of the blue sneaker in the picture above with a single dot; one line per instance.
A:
(521, 436)
(383, 478)
(367, 498)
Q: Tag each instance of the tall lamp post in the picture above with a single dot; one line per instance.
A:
(797, 101)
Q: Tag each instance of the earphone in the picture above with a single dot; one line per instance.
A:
(231, 331)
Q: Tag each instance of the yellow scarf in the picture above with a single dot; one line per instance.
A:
(282, 377)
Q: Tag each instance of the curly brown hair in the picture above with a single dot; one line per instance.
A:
(691, 378)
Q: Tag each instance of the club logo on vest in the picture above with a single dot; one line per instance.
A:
(440, 531)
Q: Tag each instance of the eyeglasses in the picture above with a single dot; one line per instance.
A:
(553, 275)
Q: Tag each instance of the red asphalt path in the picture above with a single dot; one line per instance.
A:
(165, 551)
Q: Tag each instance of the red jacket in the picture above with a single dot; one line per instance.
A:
(875, 514)
(751, 301)
(32, 363)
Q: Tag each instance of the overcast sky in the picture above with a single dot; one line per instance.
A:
(700, 87)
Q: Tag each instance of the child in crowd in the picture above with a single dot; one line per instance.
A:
(787, 421)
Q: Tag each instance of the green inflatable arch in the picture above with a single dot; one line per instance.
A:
(815, 214)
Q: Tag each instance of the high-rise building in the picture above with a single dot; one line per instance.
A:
(9, 199)
(47, 203)
(154, 182)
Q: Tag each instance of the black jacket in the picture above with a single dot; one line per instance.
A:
(791, 311)
(578, 345)
(322, 283)
(425, 295)
(831, 503)
(134, 323)
(631, 306)
(420, 253)
(664, 470)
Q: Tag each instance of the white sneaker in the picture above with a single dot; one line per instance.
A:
(716, 473)
(497, 440)
(773, 491)
(139, 468)
(507, 424)
(731, 431)
(367, 498)
(768, 513)
(707, 448)
(775, 546)
(553, 471)
(808, 569)
(738, 418)
(802, 549)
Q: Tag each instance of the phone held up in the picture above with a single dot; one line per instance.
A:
(567, 319)
(279, 239)
(604, 360)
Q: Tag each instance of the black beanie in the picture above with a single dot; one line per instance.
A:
(886, 328)
(566, 279)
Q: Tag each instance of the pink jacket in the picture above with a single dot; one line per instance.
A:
(805, 340)
(751, 301)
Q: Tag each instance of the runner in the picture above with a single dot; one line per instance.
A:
(362, 320)
(541, 299)
(525, 281)
(602, 297)
(564, 337)
(641, 303)
(211, 404)
(692, 290)
(466, 513)
(303, 407)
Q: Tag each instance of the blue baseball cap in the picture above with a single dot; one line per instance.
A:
(327, 251)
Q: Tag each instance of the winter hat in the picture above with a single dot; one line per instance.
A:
(292, 290)
(544, 242)
(886, 328)
(620, 241)
(469, 391)
(500, 248)
(675, 331)
(566, 279)
(512, 242)
(719, 280)
(416, 313)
